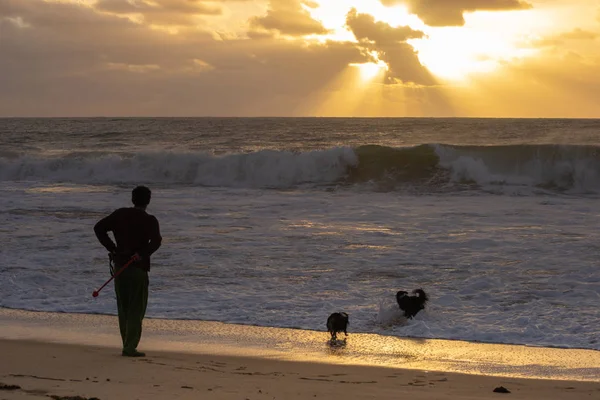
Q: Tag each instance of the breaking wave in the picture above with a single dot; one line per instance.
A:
(551, 167)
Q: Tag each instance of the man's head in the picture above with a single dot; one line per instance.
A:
(140, 196)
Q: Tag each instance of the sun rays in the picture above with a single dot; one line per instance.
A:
(257, 57)
(369, 71)
(449, 53)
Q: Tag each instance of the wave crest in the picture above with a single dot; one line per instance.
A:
(552, 167)
(265, 168)
(555, 167)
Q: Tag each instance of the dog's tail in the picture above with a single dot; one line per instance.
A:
(422, 295)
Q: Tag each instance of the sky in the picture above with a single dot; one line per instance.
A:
(341, 58)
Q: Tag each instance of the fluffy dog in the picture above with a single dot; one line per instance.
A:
(337, 322)
(411, 305)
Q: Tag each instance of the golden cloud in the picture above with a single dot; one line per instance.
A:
(450, 12)
(389, 43)
(288, 17)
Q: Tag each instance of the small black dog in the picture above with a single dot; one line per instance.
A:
(411, 305)
(337, 322)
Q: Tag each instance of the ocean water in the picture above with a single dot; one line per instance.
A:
(279, 222)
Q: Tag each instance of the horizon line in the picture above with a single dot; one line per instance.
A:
(290, 117)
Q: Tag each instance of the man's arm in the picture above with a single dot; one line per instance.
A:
(101, 230)
(155, 239)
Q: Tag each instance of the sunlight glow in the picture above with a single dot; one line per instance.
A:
(350, 93)
(481, 46)
(452, 53)
(332, 15)
(370, 70)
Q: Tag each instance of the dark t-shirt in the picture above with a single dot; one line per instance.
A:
(135, 231)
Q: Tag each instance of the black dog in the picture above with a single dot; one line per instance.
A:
(337, 322)
(411, 305)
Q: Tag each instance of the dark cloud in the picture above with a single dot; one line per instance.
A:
(390, 45)
(364, 27)
(450, 12)
(62, 33)
(289, 18)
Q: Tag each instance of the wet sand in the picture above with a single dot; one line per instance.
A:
(50, 354)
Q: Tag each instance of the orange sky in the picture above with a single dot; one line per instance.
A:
(465, 58)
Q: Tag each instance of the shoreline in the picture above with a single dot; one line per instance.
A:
(175, 320)
(281, 344)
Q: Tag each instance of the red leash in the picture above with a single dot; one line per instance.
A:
(96, 292)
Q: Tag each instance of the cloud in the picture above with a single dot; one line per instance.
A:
(364, 27)
(562, 39)
(165, 13)
(74, 60)
(69, 59)
(288, 17)
(176, 13)
(157, 6)
(133, 67)
(450, 12)
(579, 34)
(390, 45)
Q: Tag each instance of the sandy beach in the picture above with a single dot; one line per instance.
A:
(41, 370)
(56, 355)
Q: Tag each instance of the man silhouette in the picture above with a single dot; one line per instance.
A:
(137, 236)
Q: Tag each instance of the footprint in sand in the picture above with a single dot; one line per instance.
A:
(9, 387)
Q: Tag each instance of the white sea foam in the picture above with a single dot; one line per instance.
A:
(265, 168)
(558, 167)
(574, 169)
(389, 314)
